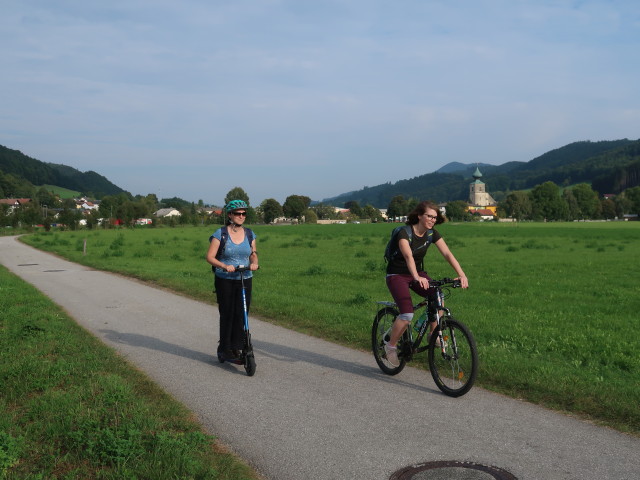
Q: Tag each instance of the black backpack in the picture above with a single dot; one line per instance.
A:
(392, 250)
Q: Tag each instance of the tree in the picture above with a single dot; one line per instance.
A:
(608, 208)
(45, 197)
(174, 202)
(324, 212)
(354, 207)
(397, 207)
(31, 214)
(587, 200)
(372, 213)
(271, 210)
(573, 210)
(295, 205)
(151, 204)
(457, 211)
(237, 193)
(623, 205)
(310, 216)
(70, 215)
(546, 202)
(517, 205)
(633, 195)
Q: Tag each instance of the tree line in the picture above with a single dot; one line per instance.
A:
(545, 202)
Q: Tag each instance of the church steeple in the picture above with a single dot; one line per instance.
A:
(477, 175)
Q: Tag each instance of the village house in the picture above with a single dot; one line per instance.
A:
(167, 212)
(14, 203)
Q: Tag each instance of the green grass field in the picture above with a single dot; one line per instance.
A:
(72, 408)
(553, 306)
(62, 192)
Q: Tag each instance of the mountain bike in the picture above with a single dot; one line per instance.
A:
(451, 349)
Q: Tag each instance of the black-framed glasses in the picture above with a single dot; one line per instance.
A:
(239, 214)
(432, 217)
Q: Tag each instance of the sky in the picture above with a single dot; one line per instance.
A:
(192, 98)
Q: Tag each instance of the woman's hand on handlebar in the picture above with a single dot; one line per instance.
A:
(464, 282)
(253, 267)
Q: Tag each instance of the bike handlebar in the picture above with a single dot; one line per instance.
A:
(452, 282)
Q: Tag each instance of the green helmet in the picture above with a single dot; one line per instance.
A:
(235, 205)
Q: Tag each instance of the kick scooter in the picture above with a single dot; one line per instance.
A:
(246, 357)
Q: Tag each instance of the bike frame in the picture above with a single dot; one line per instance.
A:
(438, 305)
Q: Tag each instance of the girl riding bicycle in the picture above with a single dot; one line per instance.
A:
(405, 271)
(230, 246)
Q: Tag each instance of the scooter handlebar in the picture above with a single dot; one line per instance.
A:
(243, 268)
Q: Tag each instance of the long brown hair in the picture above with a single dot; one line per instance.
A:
(421, 209)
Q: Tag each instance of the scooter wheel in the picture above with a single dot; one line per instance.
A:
(250, 365)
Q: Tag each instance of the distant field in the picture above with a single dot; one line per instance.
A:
(62, 192)
(553, 306)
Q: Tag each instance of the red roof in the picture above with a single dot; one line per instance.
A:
(13, 201)
(483, 211)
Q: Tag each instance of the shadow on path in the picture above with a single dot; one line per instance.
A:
(291, 354)
(278, 352)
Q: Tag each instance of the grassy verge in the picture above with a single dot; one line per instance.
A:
(72, 408)
(553, 307)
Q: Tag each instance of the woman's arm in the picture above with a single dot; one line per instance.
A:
(446, 253)
(253, 258)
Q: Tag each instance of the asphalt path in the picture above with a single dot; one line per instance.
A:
(316, 410)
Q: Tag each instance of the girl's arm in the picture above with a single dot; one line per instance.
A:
(446, 253)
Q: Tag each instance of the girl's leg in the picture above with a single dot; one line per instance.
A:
(399, 327)
(399, 288)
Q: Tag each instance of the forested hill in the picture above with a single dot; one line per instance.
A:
(22, 167)
(609, 166)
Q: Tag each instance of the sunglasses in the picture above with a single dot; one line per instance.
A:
(239, 214)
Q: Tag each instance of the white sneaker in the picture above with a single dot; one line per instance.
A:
(439, 345)
(392, 355)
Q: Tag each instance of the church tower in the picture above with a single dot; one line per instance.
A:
(479, 198)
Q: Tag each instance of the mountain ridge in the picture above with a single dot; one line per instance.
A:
(37, 172)
(609, 165)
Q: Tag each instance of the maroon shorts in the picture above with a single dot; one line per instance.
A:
(399, 286)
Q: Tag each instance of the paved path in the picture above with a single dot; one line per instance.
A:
(315, 410)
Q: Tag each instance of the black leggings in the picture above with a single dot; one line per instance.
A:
(229, 296)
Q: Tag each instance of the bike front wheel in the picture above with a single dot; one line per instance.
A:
(453, 366)
(380, 332)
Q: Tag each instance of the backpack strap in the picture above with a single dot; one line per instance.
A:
(250, 235)
(224, 235)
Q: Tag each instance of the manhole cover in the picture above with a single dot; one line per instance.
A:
(451, 470)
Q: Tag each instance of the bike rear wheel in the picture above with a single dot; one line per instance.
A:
(379, 334)
(455, 367)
